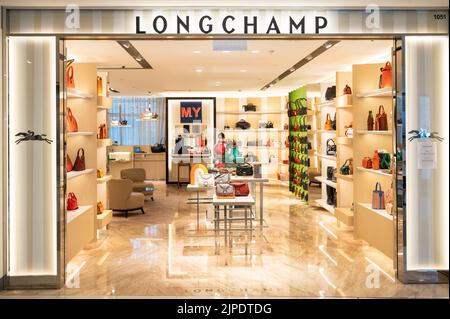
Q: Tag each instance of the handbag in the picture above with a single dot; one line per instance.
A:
(100, 173)
(69, 165)
(225, 190)
(389, 199)
(80, 163)
(381, 123)
(250, 107)
(331, 196)
(241, 189)
(331, 173)
(386, 76)
(347, 89)
(349, 130)
(331, 147)
(370, 121)
(159, 147)
(262, 124)
(328, 123)
(269, 124)
(385, 160)
(102, 132)
(376, 160)
(378, 201)
(330, 93)
(222, 178)
(70, 77)
(333, 123)
(243, 124)
(71, 122)
(367, 162)
(345, 168)
(99, 86)
(72, 202)
(244, 170)
(205, 180)
(123, 122)
(250, 157)
(100, 208)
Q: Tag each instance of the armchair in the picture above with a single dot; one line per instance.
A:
(140, 185)
(122, 198)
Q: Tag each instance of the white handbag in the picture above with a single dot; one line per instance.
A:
(205, 180)
(222, 178)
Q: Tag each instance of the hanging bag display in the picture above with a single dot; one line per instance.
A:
(240, 189)
(378, 200)
(69, 165)
(72, 202)
(70, 77)
(225, 190)
(99, 86)
(244, 170)
(80, 163)
(328, 123)
(381, 123)
(347, 90)
(331, 147)
(71, 122)
(386, 76)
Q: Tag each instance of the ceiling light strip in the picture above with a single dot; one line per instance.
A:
(131, 50)
(308, 58)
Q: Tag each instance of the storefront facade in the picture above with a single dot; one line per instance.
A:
(33, 245)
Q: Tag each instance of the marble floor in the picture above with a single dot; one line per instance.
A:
(161, 253)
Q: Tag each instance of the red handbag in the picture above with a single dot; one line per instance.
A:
(241, 189)
(386, 76)
(367, 162)
(71, 122)
(80, 162)
(72, 202)
(69, 165)
(70, 77)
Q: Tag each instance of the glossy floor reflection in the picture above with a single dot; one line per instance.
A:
(162, 253)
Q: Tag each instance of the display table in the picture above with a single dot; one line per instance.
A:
(230, 206)
(199, 200)
(254, 180)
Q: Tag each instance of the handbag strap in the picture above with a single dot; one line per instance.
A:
(328, 117)
(70, 71)
(343, 165)
(69, 112)
(378, 187)
(387, 66)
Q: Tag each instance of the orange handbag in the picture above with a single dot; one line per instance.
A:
(367, 162)
(386, 76)
(69, 165)
(99, 86)
(71, 122)
(100, 208)
(70, 77)
(376, 160)
(328, 123)
(102, 132)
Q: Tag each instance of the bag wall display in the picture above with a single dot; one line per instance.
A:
(80, 162)
(71, 122)
(378, 200)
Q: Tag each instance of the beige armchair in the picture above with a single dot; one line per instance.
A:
(122, 198)
(137, 176)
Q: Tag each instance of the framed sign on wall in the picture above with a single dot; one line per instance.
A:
(191, 112)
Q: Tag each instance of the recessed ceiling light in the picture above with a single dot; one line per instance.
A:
(255, 51)
(29, 62)
(226, 51)
(138, 59)
(199, 70)
(328, 45)
(197, 52)
(292, 69)
(126, 45)
(243, 70)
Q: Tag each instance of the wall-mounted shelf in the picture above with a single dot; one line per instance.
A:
(253, 130)
(326, 104)
(344, 141)
(381, 212)
(374, 171)
(104, 218)
(78, 94)
(328, 157)
(326, 181)
(344, 215)
(323, 203)
(72, 214)
(326, 131)
(71, 134)
(104, 179)
(348, 178)
(385, 92)
(374, 132)
(104, 102)
(347, 106)
(75, 174)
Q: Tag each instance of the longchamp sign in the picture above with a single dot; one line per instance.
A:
(225, 21)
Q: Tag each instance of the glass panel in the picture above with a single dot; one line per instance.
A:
(32, 167)
(427, 206)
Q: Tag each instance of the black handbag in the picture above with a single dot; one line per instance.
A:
(330, 93)
(159, 147)
(331, 196)
(244, 170)
(331, 147)
(269, 124)
(243, 124)
(331, 173)
(249, 107)
(345, 168)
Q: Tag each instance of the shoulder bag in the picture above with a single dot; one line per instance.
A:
(222, 178)
(378, 201)
(345, 168)
(225, 190)
(205, 180)
(70, 77)
(71, 122)
(244, 170)
(347, 90)
(328, 123)
(330, 93)
(250, 107)
(240, 189)
(381, 123)
(72, 202)
(80, 162)
(102, 132)
(386, 76)
(331, 147)
(243, 124)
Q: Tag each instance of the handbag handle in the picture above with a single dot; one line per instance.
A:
(387, 65)
(69, 112)
(381, 107)
(328, 117)
(245, 165)
(378, 187)
(70, 71)
(343, 165)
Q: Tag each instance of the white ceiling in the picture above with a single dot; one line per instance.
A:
(175, 64)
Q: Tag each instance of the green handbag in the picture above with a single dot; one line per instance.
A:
(345, 168)
(385, 160)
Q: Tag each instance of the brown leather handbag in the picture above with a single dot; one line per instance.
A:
(367, 162)
(328, 123)
(347, 90)
(381, 123)
(71, 122)
(99, 86)
(378, 200)
(100, 208)
(102, 132)
(80, 162)
(69, 165)
(241, 188)
(70, 77)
